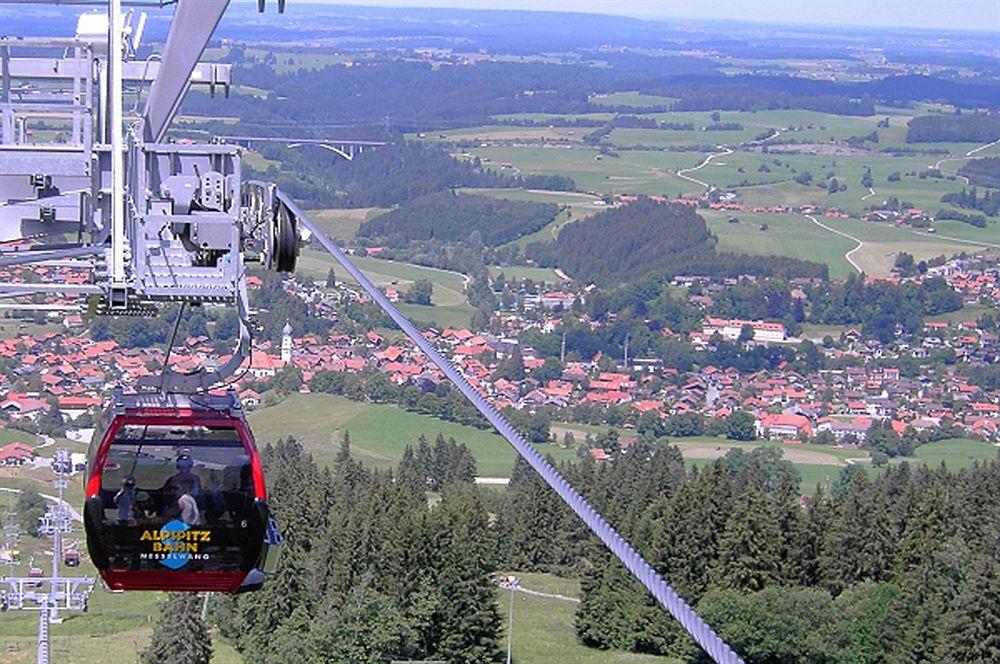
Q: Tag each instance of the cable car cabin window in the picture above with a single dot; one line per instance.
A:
(177, 498)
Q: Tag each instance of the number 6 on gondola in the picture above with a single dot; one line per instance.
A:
(176, 497)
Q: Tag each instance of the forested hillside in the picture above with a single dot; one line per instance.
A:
(625, 243)
(984, 172)
(380, 177)
(452, 217)
(969, 127)
(900, 568)
(368, 573)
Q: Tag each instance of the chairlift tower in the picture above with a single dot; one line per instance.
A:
(55, 593)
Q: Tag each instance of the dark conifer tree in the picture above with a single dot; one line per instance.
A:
(180, 635)
(412, 478)
(470, 621)
(749, 547)
(971, 629)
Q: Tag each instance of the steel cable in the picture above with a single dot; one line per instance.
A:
(711, 642)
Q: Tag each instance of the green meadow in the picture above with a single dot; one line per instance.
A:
(379, 433)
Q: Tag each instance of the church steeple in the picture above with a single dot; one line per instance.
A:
(286, 343)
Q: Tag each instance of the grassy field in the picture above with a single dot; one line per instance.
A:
(787, 235)
(8, 436)
(767, 178)
(556, 118)
(14, 327)
(817, 331)
(289, 62)
(379, 433)
(969, 312)
(955, 453)
(633, 171)
(523, 272)
(815, 463)
(115, 628)
(342, 223)
(259, 161)
(449, 306)
(543, 627)
(797, 236)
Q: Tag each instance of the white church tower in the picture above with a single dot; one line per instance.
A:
(286, 344)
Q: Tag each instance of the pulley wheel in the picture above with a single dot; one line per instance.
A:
(286, 240)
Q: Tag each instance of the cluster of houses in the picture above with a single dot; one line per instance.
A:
(72, 372)
(906, 217)
(976, 279)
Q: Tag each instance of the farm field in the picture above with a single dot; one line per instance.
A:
(815, 463)
(379, 433)
(449, 306)
(787, 235)
(15, 435)
(523, 272)
(342, 223)
(288, 61)
(543, 626)
(259, 161)
(802, 144)
(797, 236)
(633, 172)
(555, 118)
(955, 453)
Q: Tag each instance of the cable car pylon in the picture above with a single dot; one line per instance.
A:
(702, 633)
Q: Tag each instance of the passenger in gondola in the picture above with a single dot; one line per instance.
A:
(125, 500)
(145, 510)
(185, 473)
(184, 507)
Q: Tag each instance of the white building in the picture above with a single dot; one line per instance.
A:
(763, 331)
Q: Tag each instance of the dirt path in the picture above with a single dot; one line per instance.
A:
(871, 192)
(937, 165)
(703, 164)
(956, 239)
(849, 255)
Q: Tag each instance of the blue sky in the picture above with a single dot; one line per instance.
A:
(979, 15)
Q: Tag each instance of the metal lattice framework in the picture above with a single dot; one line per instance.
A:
(55, 593)
(157, 222)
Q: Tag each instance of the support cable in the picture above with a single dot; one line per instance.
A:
(711, 642)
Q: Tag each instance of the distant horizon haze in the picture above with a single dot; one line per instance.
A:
(947, 15)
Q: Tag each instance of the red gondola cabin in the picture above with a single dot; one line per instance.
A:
(175, 495)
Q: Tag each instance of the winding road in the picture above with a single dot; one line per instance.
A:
(850, 253)
(681, 173)
(937, 165)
